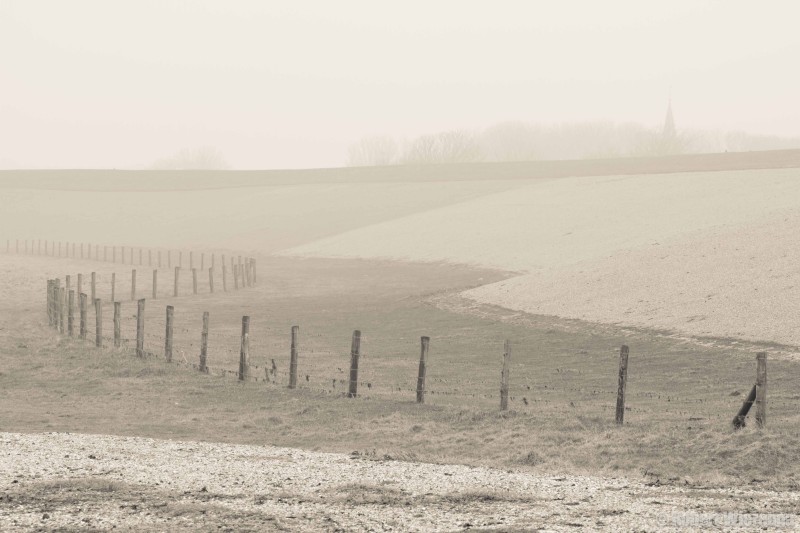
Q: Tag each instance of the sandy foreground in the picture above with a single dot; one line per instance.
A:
(62, 480)
(705, 254)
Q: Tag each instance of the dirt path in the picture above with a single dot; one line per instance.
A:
(85, 482)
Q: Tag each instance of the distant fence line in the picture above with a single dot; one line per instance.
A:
(61, 302)
(130, 255)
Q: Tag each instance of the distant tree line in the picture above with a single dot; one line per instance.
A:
(521, 141)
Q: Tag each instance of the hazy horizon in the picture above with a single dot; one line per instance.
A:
(96, 84)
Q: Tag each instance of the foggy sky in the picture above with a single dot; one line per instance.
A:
(111, 84)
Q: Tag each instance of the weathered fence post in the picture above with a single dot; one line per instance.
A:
(117, 324)
(244, 352)
(159, 259)
(169, 259)
(113, 286)
(235, 275)
(83, 324)
(355, 353)
(69, 282)
(56, 288)
(246, 268)
(71, 314)
(62, 310)
(155, 283)
(122, 254)
(761, 389)
(94, 286)
(423, 361)
(293, 357)
(50, 302)
(140, 257)
(150, 258)
(168, 334)
(211, 280)
(194, 281)
(204, 344)
(133, 284)
(140, 328)
(80, 283)
(504, 375)
(177, 270)
(623, 380)
(98, 313)
(224, 276)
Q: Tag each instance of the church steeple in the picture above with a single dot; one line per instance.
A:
(669, 123)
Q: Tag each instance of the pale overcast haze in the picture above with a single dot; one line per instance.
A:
(111, 84)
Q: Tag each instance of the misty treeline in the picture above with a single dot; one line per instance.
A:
(521, 141)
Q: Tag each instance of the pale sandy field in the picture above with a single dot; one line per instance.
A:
(705, 254)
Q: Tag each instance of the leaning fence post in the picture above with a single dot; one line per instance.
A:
(423, 359)
(504, 375)
(168, 333)
(761, 389)
(155, 283)
(140, 328)
(204, 344)
(133, 284)
(98, 313)
(83, 316)
(194, 281)
(113, 286)
(244, 352)
(177, 269)
(355, 353)
(623, 379)
(117, 324)
(71, 314)
(293, 358)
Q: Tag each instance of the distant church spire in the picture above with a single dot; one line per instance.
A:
(669, 122)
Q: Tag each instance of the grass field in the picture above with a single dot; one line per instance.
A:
(682, 395)
(682, 391)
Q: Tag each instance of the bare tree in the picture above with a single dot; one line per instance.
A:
(372, 151)
(422, 151)
(458, 146)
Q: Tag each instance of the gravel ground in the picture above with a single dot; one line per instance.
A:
(53, 481)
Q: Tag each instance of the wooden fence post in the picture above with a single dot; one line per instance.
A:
(423, 361)
(62, 310)
(355, 353)
(169, 259)
(83, 325)
(293, 357)
(504, 375)
(211, 280)
(122, 255)
(622, 382)
(235, 275)
(56, 288)
(71, 314)
(98, 313)
(133, 284)
(194, 281)
(180, 259)
(140, 257)
(761, 390)
(168, 334)
(244, 352)
(50, 302)
(69, 282)
(117, 324)
(150, 258)
(159, 259)
(738, 420)
(80, 283)
(113, 286)
(204, 344)
(94, 286)
(155, 283)
(224, 276)
(140, 328)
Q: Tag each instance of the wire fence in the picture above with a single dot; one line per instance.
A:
(462, 369)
